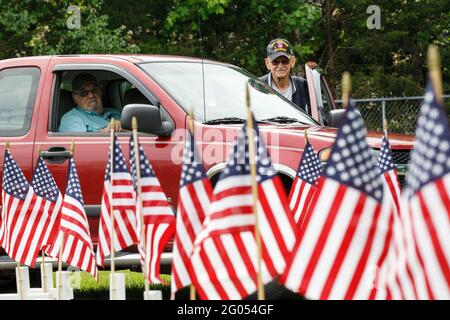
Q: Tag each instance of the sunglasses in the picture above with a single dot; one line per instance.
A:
(83, 92)
(284, 62)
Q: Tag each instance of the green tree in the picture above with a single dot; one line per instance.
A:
(238, 31)
(40, 27)
(390, 61)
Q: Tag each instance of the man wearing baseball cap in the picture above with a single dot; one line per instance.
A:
(279, 62)
(88, 115)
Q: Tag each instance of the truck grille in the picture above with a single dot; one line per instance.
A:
(401, 156)
(401, 159)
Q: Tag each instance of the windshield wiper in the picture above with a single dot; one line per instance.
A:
(225, 120)
(281, 119)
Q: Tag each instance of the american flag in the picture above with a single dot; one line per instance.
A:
(122, 193)
(305, 183)
(342, 241)
(394, 281)
(426, 202)
(224, 260)
(78, 249)
(388, 171)
(19, 211)
(158, 216)
(46, 212)
(193, 204)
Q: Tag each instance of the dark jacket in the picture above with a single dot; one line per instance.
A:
(300, 94)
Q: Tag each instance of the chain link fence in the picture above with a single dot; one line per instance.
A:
(401, 113)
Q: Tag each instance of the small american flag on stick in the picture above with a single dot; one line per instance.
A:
(158, 216)
(426, 201)
(395, 275)
(49, 200)
(37, 227)
(18, 212)
(340, 246)
(122, 195)
(305, 183)
(78, 249)
(193, 204)
(224, 260)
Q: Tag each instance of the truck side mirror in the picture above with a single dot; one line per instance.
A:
(148, 118)
(336, 116)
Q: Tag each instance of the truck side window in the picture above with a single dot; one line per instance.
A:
(18, 87)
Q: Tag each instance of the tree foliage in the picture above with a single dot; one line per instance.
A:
(390, 61)
(40, 27)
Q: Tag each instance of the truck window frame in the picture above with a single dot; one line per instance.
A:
(60, 68)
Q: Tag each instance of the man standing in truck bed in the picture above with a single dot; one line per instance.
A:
(280, 61)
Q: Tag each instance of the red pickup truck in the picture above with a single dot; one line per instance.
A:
(35, 92)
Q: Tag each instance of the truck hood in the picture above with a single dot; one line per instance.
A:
(289, 136)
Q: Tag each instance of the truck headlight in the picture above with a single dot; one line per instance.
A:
(324, 154)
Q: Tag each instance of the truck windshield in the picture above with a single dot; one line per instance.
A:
(218, 91)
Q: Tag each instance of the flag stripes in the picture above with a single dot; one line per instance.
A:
(231, 280)
(305, 183)
(74, 222)
(16, 214)
(49, 203)
(336, 242)
(426, 215)
(118, 190)
(73, 233)
(26, 247)
(193, 203)
(300, 204)
(157, 230)
(76, 252)
(53, 222)
(431, 233)
(345, 236)
(156, 220)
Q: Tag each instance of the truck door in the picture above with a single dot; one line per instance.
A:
(322, 101)
(91, 148)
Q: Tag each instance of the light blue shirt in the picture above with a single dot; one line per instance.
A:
(80, 120)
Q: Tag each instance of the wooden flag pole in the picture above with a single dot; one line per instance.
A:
(19, 271)
(191, 126)
(191, 122)
(113, 267)
(385, 128)
(61, 248)
(139, 194)
(346, 88)
(59, 278)
(434, 67)
(306, 136)
(20, 284)
(44, 275)
(251, 151)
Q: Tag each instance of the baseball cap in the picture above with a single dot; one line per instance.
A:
(277, 48)
(82, 79)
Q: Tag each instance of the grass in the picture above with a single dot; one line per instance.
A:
(86, 288)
